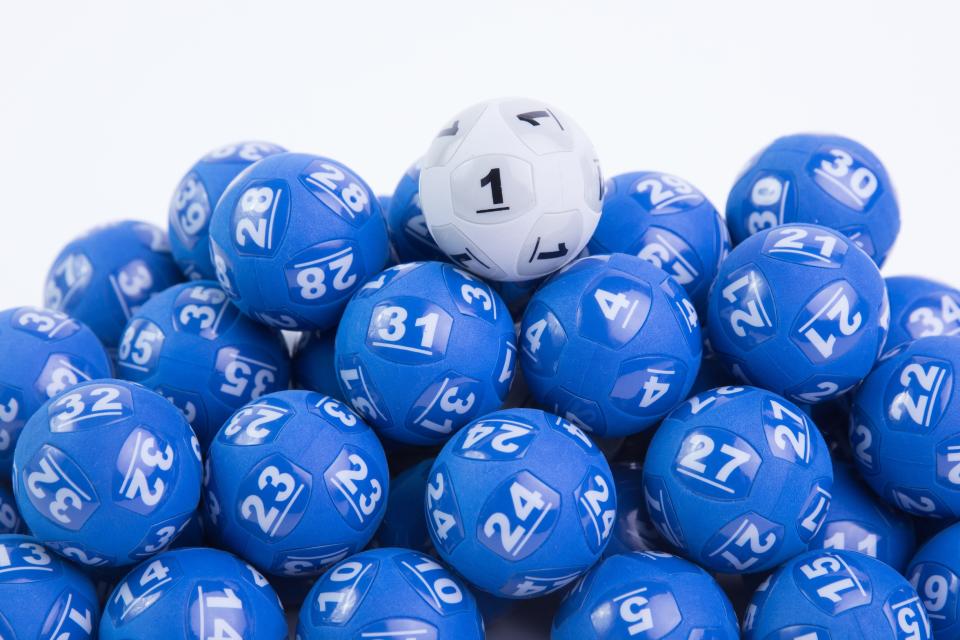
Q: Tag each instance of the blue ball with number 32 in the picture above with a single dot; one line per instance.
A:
(611, 343)
(800, 310)
(520, 503)
(738, 479)
(935, 573)
(293, 236)
(200, 594)
(423, 349)
(107, 473)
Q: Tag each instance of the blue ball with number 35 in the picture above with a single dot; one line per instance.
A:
(520, 503)
(423, 349)
(293, 236)
(611, 343)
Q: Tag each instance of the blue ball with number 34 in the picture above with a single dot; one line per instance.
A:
(919, 308)
(293, 236)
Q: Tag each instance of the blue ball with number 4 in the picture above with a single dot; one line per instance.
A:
(107, 473)
(737, 479)
(520, 503)
(611, 343)
(423, 349)
(935, 573)
(293, 236)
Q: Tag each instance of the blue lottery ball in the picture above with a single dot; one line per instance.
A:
(44, 352)
(738, 479)
(102, 277)
(633, 530)
(295, 482)
(107, 473)
(195, 198)
(919, 308)
(293, 236)
(408, 231)
(424, 349)
(612, 343)
(403, 523)
(858, 521)
(905, 428)
(193, 593)
(313, 365)
(390, 593)
(43, 596)
(520, 503)
(666, 221)
(834, 595)
(646, 595)
(817, 179)
(935, 573)
(192, 346)
(10, 521)
(799, 310)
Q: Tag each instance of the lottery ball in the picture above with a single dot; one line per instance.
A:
(666, 221)
(313, 366)
(403, 523)
(507, 516)
(905, 428)
(293, 236)
(633, 530)
(107, 473)
(799, 310)
(192, 346)
(511, 189)
(738, 479)
(919, 308)
(646, 595)
(424, 349)
(193, 593)
(9, 514)
(935, 573)
(197, 195)
(295, 482)
(42, 595)
(44, 352)
(817, 179)
(104, 276)
(835, 594)
(408, 230)
(623, 318)
(858, 521)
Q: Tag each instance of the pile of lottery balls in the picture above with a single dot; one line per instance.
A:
(511, 388)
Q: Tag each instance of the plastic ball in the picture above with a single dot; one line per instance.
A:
(905, 428)
(612, 343)
(403, 523)
(193, 593)
(646, 595)
(43, 596)
(314, 365)
(107, 473)
(9, 514)
(935, 573)
(195, 198)
(799, 310)
(738, 479)
(520, 503)
(293, 236)
(667, 222)
(295, 482)
(833, 595)
(408, 230)
(44, 352)
(920, 308)
(633, 530)
(424, 349)
(102, 277)
(818, 179)
(511, 189)
(858, 521)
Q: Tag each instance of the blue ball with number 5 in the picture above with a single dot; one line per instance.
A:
(737, 479)
(107, 473)
(819, 179)
(935, 573)
(293, 236)
(295, 482)
(622, 318)
(520, 503)
(423, 349)
(920, 307)
(800, 310)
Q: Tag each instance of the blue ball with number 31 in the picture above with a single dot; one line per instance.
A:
(293, 236)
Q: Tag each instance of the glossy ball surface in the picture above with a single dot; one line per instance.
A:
(511, 189)
(618, 315)
(920, 308)
(935, 573)
(738, 479)
(408, 229)
(314, 365)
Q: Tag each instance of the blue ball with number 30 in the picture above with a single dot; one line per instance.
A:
(611, 343)
(293, 236)
(423, 349)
